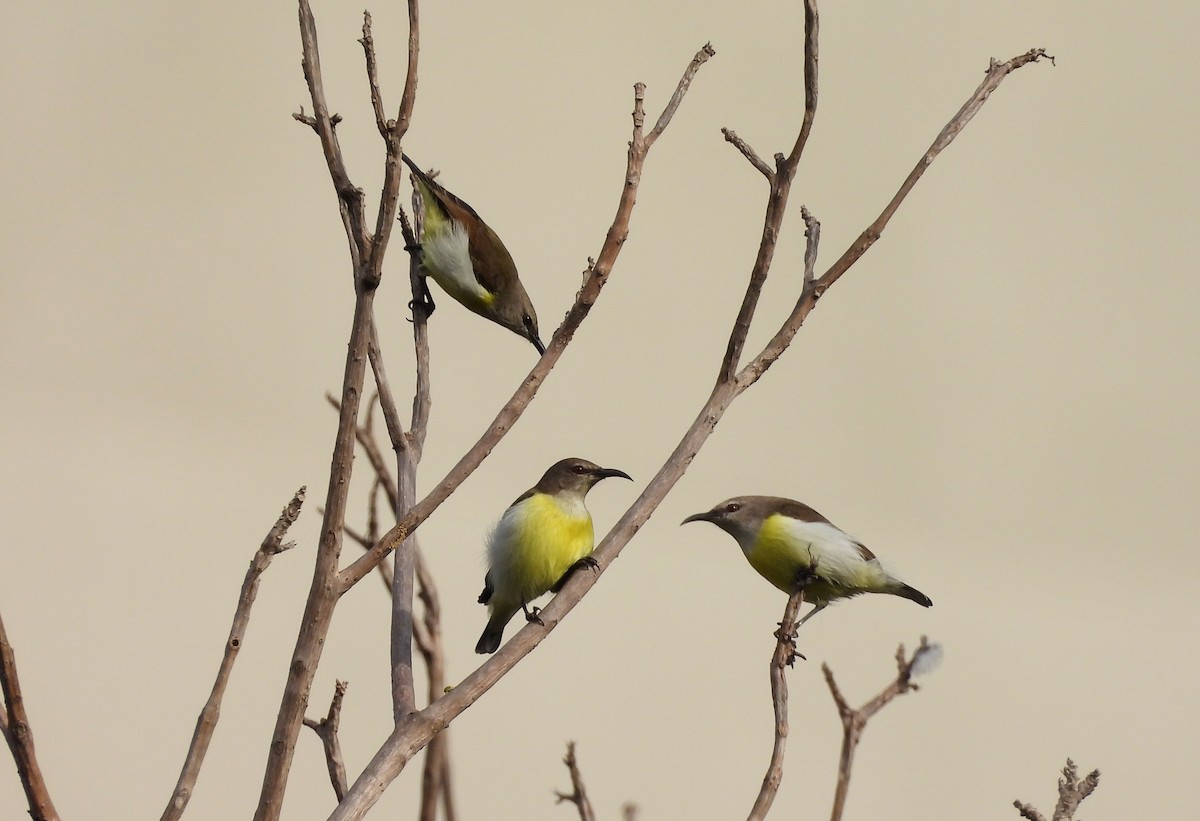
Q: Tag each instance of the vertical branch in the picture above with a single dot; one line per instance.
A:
(924, 659)
(366, 258)
(780, 181)
(578, 794)
(206, 724)
(783, 657)
(19, 736)
(435, 778)
(327, 730)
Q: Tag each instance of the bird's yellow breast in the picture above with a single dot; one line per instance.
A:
(445, 255)
(544, 538)
(777, 555)
(785, 546)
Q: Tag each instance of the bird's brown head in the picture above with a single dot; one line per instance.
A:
(576, 476)
(515, 312)
(739, 516)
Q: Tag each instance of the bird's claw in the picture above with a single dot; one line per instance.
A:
(531, 615)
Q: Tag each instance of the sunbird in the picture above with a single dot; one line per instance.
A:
(543, 537)
(787, 541)
(469, 262)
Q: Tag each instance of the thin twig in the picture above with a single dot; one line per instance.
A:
(368, 44)
(327, 730)
(19, 736)
(812, 237)
(783, 656)
(681, 88)
(748, 152)
(854, 721)
(206, 724)
(578, 795)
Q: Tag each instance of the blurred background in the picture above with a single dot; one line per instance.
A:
(1000, 399)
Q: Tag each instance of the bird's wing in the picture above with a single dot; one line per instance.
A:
(491, 261)
(524, 496)
(488, 589)
(801, 511)
(493, 265)
(864, 552)
(804, 513)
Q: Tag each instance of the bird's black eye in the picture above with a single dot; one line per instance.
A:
(579, 469)
(527, 321)
(732, 507)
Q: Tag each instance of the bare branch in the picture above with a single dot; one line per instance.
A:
(578, 795)
(1071, 792)
(1028, 812)
(812, 236)
(681, 89)
(812, 28)
(435, 776)
(408, 98)
(784, 655)
(327, 730)
(748, 152)
(923, 659)
(368, 44)
(808, 298)
(206, 724)
(350, 198)
(19, 735)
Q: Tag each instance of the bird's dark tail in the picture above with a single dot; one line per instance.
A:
(912, 594)
(493, 634)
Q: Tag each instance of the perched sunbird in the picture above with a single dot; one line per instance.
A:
(543, 537)
(469, 261)
(787, 541)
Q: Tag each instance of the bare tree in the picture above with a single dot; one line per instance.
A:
(417, 728)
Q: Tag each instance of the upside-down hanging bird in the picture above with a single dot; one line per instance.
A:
(469, 262)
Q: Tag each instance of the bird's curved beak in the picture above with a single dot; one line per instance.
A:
(706, 516)
(608, 473)
(537, 343)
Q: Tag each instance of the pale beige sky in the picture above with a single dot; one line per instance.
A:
(1000, 399)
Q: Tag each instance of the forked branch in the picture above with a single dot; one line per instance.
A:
(1071, 791)
(578, 794)
(924, 659)
(326, 729)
